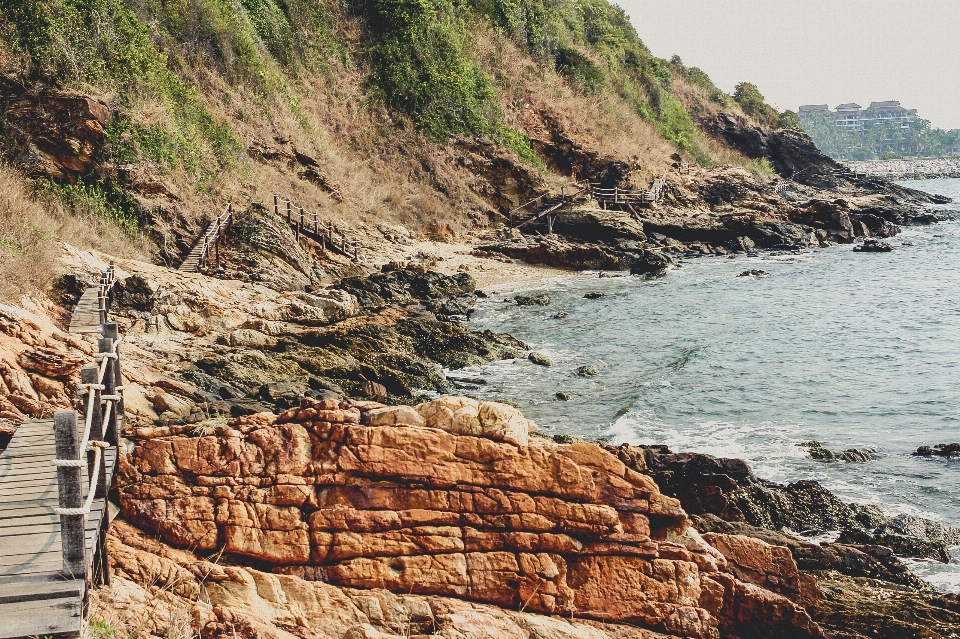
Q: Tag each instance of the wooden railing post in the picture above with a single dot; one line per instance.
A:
(102, 303)
(112, 435)
(110, 428)
(316, 223)
(72, 536)
(89, 375)
(289, 211)
(276, 205)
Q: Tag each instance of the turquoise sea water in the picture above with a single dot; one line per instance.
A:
(851, 349)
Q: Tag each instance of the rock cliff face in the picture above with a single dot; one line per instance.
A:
(50, 133)
(451, 498)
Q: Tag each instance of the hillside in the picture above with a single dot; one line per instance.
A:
(279, 473)
(432, 113)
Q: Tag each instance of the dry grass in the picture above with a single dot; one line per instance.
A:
(32, 228)
(603, 123)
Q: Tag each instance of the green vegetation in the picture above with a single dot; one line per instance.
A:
(422, 66)
(105, 200)
(103, 43)
(880, 140)
(155, 56)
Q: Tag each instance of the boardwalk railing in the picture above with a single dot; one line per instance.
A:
(103, 389)
(782, 185)
(53, 512)
(196, 260)
(308, 223)
(616, 196)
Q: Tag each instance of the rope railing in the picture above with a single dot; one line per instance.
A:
(101, 385)
(303, 220)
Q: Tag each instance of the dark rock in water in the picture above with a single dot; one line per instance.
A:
(650, 263)
(561, 315)
(563, 397)
(727, 488)
(594, 296)
(922, 529)
(537, 299)
(480, 294)
(940, 450)
(561, 438)
(474, 381)
(871, 245)
(540, 359)
(902, 545)
(753, 272)
(588, 371)
(868, 515)
(817, 451)
(450, 307)
(858, 560)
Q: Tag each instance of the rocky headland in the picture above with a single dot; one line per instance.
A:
(296, 459)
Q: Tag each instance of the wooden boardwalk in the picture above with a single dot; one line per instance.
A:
(86, 314)
(36, 598)
(308, 223)
(89, 314)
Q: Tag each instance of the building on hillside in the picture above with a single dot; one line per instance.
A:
(850, 116)
(810, 109)
(853, 117)
(890, 112)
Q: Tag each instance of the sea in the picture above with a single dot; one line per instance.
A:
(854, 350)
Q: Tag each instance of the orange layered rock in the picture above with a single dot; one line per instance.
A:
(412, 507)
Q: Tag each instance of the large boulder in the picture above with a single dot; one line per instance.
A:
(389, 504)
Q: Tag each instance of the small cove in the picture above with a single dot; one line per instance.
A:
(850, 349)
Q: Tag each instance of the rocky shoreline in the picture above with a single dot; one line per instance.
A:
(270, 432)
(285, 477)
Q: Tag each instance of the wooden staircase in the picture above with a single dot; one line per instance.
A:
(543, 206)
(209, 240)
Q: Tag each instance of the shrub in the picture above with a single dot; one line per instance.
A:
(424, 69)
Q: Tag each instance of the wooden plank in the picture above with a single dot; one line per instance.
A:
(40, 618)
(40, 589)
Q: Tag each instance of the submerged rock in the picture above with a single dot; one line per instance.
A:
(535, 299)
(816, 450)
(540, 359)
(752, 273)
(871, 245)
(588, 371)
(940, 450)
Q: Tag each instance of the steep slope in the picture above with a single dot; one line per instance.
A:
(426, 113)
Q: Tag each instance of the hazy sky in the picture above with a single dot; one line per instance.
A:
(817, 51)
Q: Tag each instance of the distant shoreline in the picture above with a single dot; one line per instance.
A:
(907, 169)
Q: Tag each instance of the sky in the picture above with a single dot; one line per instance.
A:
(817, 51)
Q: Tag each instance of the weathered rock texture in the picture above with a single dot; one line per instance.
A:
(408, 504)
(158, 591)
(50, 133)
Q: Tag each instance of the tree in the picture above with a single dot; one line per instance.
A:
(748, 96)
